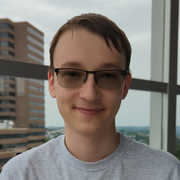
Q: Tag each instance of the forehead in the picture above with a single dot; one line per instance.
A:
(83, 48)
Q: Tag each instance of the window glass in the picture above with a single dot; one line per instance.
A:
(35, 50)
(6, 43)
(35, 41)
(7, 53)
(136, 25)
(133, 117)
(22, 115)
(177, 152)
(35, 33)
(41, 61)
(178, 67)
(6, 25)
(138, 31)
(6, 34)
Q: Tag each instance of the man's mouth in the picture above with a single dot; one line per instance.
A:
(89, 111)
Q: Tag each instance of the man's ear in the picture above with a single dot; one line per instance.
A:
(126, 85)
(51, 84)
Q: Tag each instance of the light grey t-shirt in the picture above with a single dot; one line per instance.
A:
(130, 161)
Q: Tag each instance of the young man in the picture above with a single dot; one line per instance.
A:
(89, 77)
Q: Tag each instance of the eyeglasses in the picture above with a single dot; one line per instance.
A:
(75, 78)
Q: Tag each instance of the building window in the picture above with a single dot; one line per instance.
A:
(6, 25)
(7, 93)
(35, 111)
(7, 77)
(7, 102)
(37, 134)
(7, 43)
(4, 160)
(36, 118)
(7, 110)
(35, 58)
(40, 82)
(7, 86)
(35, 41)
(36, 89)
(37, 141)
(7, 118)
(7, 53)
(35, 33)
(36, 96)
(6, 34)
(36, 126)
(6, 146)
(31, 48)
(36, 103)
(11, 136)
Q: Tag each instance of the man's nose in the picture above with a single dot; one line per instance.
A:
(90, 90)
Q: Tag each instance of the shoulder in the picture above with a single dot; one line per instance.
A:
(144, 151)
(34, 156)
(149, 158)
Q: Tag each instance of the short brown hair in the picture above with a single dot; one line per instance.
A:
(100, 25)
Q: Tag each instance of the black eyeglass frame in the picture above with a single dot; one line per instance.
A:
(123, 73)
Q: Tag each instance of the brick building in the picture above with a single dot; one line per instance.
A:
(21, 99)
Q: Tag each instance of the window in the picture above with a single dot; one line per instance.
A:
(6, 43)
(35, 41)
(35, 58)
(36, 103)
(40, 82)
(35, 50)
(37, 141)
(7, 93)
(36, 126)
(11, 136)
(6, 146)
(7, 86)
(35, 96)
(4, 160)
(7, 110)
(37, 134)
(7, 102)
(35, 33)
(36, 88)
(36, 118)
(139, 114)
(6, 25)
(7, 77)
(36, 111)
(7, 53)
(6, 34)
(7, 118)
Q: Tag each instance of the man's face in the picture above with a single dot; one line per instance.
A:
(87, 109)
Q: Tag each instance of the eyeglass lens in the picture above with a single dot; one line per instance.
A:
(70, 78)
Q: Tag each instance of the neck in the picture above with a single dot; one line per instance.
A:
(92, 148)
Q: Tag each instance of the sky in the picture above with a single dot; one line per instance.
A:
(132, 16)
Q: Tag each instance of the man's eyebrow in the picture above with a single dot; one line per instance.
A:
(110, 65)
(71, 64)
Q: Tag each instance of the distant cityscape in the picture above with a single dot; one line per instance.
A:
(52, 132)
(140, 134)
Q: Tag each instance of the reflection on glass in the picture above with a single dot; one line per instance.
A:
(177, 152)
(133, 117)
(22, 116)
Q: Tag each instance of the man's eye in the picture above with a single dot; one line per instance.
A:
(72, 74)
(107, 75)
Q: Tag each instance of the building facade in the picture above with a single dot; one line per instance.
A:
(21, 99)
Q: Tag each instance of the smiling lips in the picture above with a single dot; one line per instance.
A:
(89, 111)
